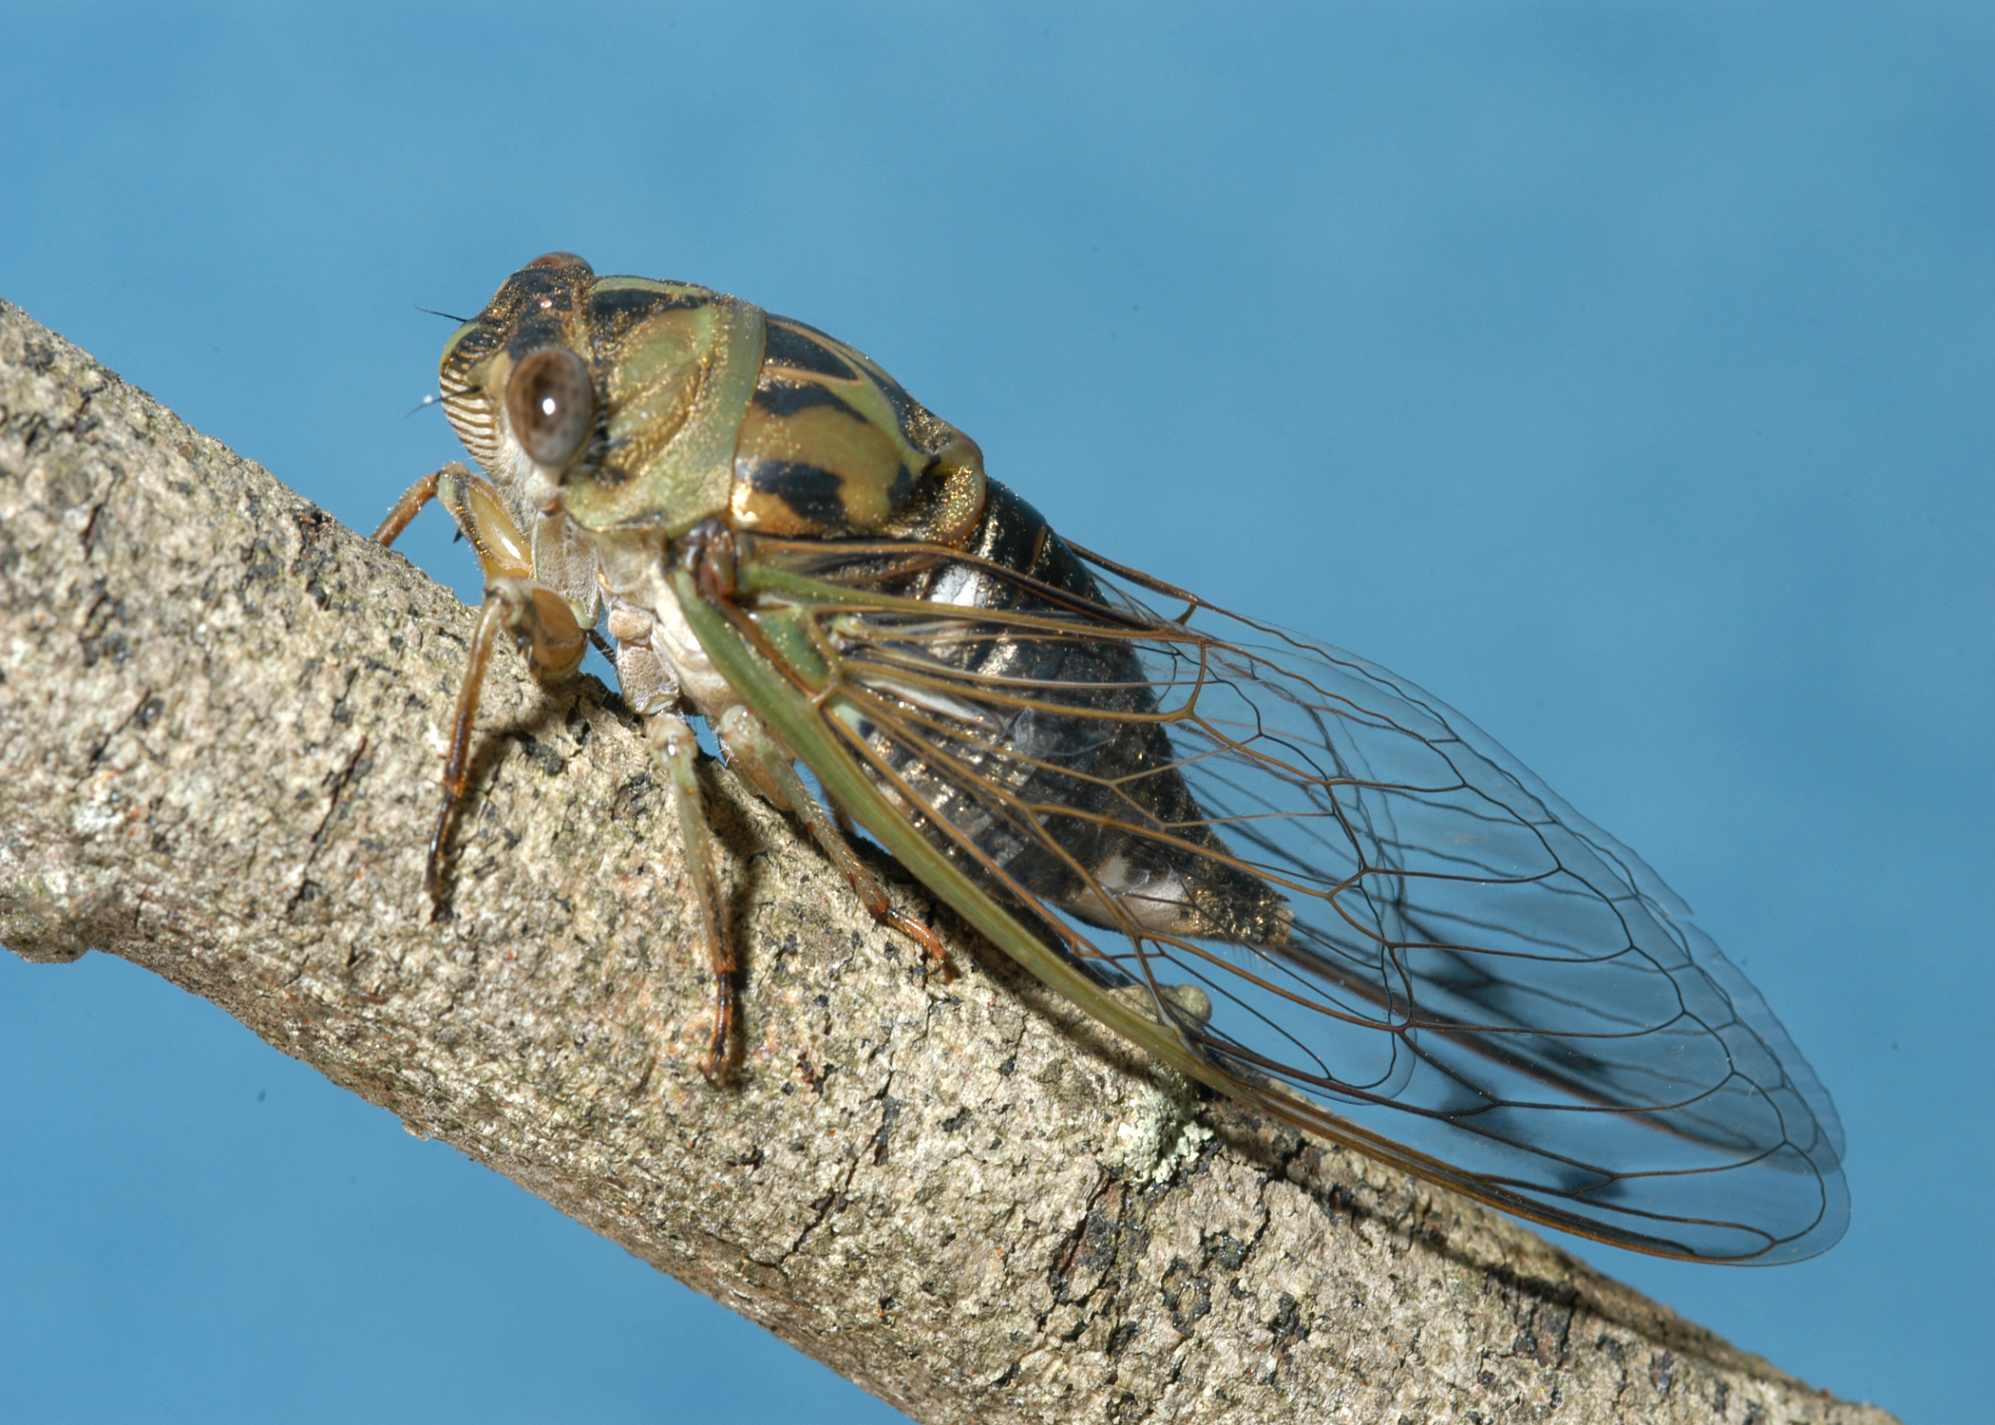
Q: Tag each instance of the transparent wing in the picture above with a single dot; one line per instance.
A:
(1357, 908)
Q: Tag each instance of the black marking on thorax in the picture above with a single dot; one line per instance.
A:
(816, 494)
(785, 398)
(802, 348)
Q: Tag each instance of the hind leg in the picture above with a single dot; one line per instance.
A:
(770, 770)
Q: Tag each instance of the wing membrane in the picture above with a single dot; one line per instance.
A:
(1400, 932)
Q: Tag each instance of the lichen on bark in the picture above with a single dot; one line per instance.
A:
(220, 721)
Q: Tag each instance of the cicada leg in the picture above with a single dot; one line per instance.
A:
(480, 514)
(542, 625)
(408, 507)
(751, 751)
(673, 743)
(544, 630)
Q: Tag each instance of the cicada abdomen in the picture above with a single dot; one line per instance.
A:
(1063, 778)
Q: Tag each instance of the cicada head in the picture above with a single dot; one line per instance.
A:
(617, 400)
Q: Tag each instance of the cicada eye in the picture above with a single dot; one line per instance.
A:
(549, 404)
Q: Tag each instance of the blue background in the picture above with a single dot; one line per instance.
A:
(1620, 372)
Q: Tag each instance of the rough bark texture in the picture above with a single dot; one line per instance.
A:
(220, 721)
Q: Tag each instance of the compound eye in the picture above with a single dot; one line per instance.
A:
(550, 405)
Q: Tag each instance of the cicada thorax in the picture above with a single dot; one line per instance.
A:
(832, 447)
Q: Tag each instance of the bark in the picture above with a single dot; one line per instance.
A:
(220, 724)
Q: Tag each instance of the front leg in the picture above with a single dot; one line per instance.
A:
(540, 621)
(475, 503)
(543, 628)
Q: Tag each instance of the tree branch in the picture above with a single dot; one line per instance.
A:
(220, 721)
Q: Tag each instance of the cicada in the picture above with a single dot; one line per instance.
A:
(1283, 871)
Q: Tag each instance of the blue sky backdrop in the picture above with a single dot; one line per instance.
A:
(1621, 372)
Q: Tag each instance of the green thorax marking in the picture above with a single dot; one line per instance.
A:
(675, 368)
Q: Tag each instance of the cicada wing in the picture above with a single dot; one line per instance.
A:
(1340, 894)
